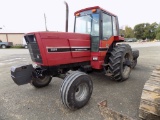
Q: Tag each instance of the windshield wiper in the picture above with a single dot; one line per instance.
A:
(88, 15)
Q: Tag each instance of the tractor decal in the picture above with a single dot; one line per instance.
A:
(73, 49)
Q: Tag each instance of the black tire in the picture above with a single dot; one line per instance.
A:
(135, 54)
(134, 63)
(26, 47)
(120, 62)
(3, 46)
(41, 82)
(76, 90)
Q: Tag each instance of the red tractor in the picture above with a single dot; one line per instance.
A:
(92, 46)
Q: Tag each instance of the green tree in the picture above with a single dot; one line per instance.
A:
(121, 31)
(145, 31)
(158, 32)
(139, 31)
(152, 31)
(129, 33)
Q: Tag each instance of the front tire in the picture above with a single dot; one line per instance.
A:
(4, 47)
(41, 82)
(25, 46)
(120, 62)
(76, 90)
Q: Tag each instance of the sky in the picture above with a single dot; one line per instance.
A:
(28, 15)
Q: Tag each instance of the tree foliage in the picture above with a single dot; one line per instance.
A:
(158, 32)
(152, 31)
(142, 31)
(145, 31)
(129, 33)
(139, 31)
(122, 32)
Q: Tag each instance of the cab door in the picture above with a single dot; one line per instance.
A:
(109, 30)
(95, 33)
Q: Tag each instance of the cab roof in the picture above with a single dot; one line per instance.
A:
(95, 7)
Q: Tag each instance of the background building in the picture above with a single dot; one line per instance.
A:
(16, 38)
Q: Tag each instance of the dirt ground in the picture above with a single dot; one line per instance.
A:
(27, 103)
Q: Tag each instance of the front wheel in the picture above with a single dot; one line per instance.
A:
(76, 90)
(41, 81)
(25, 46)
(3, 46)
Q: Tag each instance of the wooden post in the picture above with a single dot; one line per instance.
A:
(7, 37)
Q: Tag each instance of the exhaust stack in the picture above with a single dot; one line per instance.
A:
(67, 11)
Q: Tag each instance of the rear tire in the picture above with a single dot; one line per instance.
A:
(134, 63)
(135, 56)
(41, 82)
(120, 62)
(76, 90)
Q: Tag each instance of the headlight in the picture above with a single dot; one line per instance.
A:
(95, 58)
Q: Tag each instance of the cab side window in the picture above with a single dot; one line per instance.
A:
(107, 26)
(114, 26)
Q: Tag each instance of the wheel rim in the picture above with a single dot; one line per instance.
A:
(43, 80)
(81, 92)
(3, 46)
(126, 64)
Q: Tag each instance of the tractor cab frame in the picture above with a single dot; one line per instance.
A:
(103, 28)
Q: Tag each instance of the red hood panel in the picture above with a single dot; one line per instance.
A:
(63, 35)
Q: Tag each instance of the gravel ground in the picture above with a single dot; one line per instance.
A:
(27, 103)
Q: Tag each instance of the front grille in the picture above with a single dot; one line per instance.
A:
(33, 48)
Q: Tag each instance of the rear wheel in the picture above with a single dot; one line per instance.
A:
(41, 81)
(135, 54)
(120, 62)
(134, 63)
(76, 90)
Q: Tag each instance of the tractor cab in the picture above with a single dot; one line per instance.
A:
(99, 23)
(103, 28)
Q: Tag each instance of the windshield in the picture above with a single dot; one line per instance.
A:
(88, 24)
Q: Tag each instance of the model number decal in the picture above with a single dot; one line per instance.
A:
(53, 49)
(50, 50)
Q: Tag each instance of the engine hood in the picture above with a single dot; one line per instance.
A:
(61, 35)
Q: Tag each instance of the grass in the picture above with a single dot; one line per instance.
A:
(17, 47)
